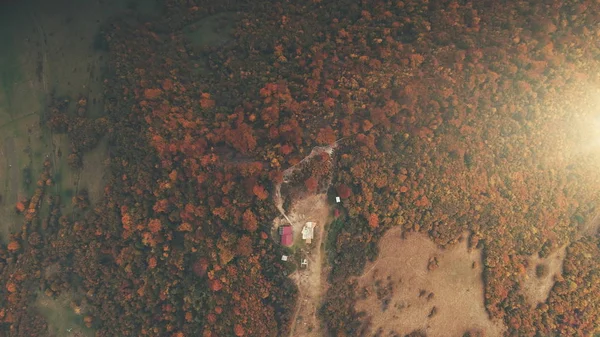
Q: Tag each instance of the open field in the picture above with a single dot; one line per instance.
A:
(49, 49)
(537, 284)
(21, 158)
(416, 286)
(61, 315)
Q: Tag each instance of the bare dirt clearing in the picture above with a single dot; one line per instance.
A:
(307, 205)
(416, 286)
(541, 274)
(310, 279)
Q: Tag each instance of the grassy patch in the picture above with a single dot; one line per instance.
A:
(62, 320)
(10, 68)
(333, 230)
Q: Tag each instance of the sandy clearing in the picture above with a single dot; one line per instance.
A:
(590, 228)
(400, 294)
(310, 280)
(305, 207)
(313, 208)
(537, 288)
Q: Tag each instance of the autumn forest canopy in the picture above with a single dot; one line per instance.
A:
(449, 116)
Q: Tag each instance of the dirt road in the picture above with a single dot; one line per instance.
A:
(310, 279)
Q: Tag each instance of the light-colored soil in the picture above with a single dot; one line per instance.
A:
(310, 280)
(400, 294)
(536, 289)
(313, 208)
(590, 228)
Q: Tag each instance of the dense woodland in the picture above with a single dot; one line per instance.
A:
(451, 115)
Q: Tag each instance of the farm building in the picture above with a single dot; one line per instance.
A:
(286, 233)
(308, 231)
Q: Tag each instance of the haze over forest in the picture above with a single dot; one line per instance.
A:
(299, 168)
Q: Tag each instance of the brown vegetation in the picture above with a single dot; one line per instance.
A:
(455, 116)
(400, 292)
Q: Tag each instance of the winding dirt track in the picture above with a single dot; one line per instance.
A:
(310, 279)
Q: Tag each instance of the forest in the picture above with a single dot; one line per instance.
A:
(453, 116)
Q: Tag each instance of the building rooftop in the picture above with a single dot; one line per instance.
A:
(286, 232)
(308, 231)
(287, 229)
(287, 239)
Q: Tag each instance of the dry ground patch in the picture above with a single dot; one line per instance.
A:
(542, 272)
(414, 285)
(541, 275)
(310, 279)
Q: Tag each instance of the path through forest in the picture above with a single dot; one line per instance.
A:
(310, 279)
(307, 207)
